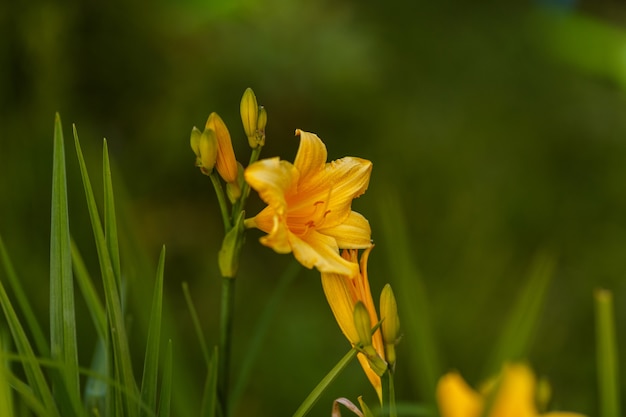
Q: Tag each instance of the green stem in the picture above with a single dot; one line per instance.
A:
(608, 364)
(226, 327)
(221, 199)
(245, 188)
(391, 392)
(308, 403)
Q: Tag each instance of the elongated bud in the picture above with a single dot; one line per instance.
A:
(390, 325)
(362, 324)
(226, 164)
(262, 119)
(228, 256)
(205, 148)
(249, 116)
(363, 327)
(194, 141)
(261, 123)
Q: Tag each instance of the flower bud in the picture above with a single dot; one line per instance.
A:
(390, 325)
(194, 141)
(362, 324)
(262, 119)
(208, 151)
(233, 191)
(228, 256)
(249, 116)
(226, 164)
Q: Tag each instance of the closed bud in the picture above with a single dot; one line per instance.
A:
(233, 191)
(195, 143)
(362, 324)
(228, 256)
(226, 164)
(260, 126)
(208, 151)
(249, 116)
(390, 325)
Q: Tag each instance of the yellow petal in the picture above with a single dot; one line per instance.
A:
(371, 375)
(272, 178)
(456, 398)
(516, 393)
(321, 251)
(311, 155)
(348, 179)
(341, 298)
(353, 233)
(278, 237)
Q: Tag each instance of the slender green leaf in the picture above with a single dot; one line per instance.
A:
(119, 339)
(209, 396)
(411, 294)
(255, 344)
(22, 301)
(607, 357)
(6, 400)
(519, 329)
(166, 384)
(34, 374)
(63, 343)
(110, 224)
(151, 363)
(196, 324)
(312, 398)
(26, 395)
(96, 387)
(85, 283)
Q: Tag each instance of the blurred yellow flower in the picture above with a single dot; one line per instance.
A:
(343, 293)
(515, 396)
(309, 203)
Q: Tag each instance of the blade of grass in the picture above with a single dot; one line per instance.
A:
(34, 373)
(411, 293)
(96, 387)
(312, 398)
(62, 311)
(196, 324)
(119, 339)
(29, 399)
(607, 357)
(85, 283)
(6, 400)
(110, 224)
(151, 362)
(260, 331)
(23, 303)
(519, 329)
(166, 383)
(209, 397)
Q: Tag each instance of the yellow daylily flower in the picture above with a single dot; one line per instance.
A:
(343, 293)
(309, 203)
(514, 396)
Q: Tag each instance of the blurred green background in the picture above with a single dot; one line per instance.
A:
(498, 131)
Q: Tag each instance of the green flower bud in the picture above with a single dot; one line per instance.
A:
(233, 191)
(362, 324)
(208, 151)
(261, 123)
(195, 143)
(390, 325)
(249, 116)
(228, 255)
